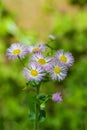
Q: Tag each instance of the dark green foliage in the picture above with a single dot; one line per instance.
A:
(42, 115)
(78, 2)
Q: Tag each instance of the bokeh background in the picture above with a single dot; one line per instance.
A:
(31, 21)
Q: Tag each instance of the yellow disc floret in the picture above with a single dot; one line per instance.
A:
(57, 70)
(42, 61)
(16, 51)
(63, 58)
(34, 72)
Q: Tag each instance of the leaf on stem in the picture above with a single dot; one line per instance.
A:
(33, 83)
(42, 115)
(31, 104)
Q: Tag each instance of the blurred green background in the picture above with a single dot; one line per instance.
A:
(30, 22)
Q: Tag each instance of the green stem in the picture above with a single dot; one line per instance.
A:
(50, 47)
(37, 107)
(21, 61)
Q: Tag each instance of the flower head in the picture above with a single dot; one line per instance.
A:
(36, 48)
(56, 97)
(44, 62)
(65, 57)
(34, 72)
(58, 71)
(16, 50)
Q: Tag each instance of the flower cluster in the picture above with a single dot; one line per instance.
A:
(41, 65)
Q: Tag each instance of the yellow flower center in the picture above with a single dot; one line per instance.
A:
(34, 72)
(16, 51)
(57, 70)
(63, 58)
(35, 49)
(42, 61)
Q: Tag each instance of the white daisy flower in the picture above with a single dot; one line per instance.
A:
(36, 48)
(34, 72)
(65, 57)
(58, 71)
(44, 62)
(16, 50)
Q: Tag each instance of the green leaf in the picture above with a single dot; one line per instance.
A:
(31, 115)
(33, 83)
(31, 105)
(32, 100)
(42, 97)
(42, 115)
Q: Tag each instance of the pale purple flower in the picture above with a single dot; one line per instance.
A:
(16, 50)
(56, 97)
(58, 71)
(44, 62)
(36, 48)
(65, 57)
(34, 72)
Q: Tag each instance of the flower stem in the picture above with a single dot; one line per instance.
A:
(21, 61)
(50, 47)
(37, 107)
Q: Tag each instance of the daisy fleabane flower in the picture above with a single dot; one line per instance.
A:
(34, 72)
(15, 50)
(44, 62)
(58, 71)
(56, 97)
(65, 57)
(36, 48)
